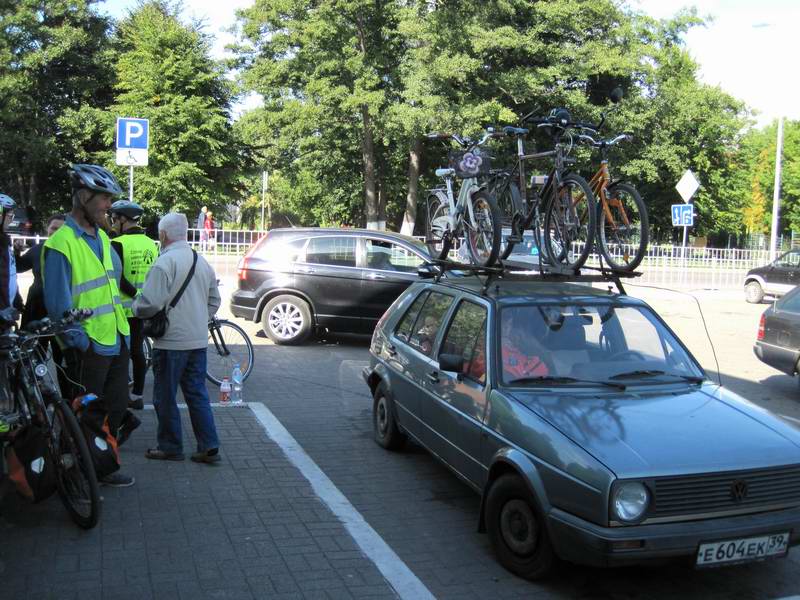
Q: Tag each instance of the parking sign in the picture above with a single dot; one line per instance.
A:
(133, 141)
(683, 215)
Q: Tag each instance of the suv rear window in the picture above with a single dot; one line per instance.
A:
(337, 251)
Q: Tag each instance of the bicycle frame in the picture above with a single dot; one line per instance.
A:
(599, 184)
(219, 343)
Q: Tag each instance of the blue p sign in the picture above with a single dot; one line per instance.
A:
(133, 133)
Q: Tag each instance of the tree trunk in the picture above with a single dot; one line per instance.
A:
(410, 216)
(32, 191)
(368, 154)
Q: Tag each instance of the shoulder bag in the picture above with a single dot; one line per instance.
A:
(156, 326)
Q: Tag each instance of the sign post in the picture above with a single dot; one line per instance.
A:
(687, 186)
(133, 143)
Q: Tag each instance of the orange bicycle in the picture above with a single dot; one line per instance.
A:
(622, 223)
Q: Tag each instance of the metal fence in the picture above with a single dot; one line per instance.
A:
(671, 266)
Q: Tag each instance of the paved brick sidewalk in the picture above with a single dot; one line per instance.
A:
(248, 527)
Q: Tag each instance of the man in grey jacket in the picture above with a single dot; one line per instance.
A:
(179, 357)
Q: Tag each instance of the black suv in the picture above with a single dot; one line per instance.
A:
(296, 280)
(23, 223)
(774, 279)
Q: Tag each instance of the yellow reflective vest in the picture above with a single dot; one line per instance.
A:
(139, 253)
(93, 284)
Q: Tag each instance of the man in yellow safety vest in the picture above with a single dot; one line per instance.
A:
(80, 270)
(137, 253)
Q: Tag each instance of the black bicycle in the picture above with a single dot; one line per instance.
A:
(35, 402)
(560, 209)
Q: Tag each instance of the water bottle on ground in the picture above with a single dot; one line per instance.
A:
(225, 391)
(237, 395)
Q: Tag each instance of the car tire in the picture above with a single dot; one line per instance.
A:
(384, 424)
(517, 529)
(753, 292)
(287, 320)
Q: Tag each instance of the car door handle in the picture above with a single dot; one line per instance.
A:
(391, 350)
(307, 270)
(376, 276)
(433, 376)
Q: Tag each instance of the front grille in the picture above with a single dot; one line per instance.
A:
(717, 492)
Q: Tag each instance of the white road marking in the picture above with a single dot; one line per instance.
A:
(400, 577)
(395, 571)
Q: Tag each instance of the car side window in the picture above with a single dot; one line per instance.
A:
(387, 256)
(429, 321)
(467, 338)
(789, 303)
(790, 259)
(331, 250)
(406, 325)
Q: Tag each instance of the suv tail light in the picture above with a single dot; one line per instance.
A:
(761, 328)
(242, 271)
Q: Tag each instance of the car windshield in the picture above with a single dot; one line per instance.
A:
(596, 344)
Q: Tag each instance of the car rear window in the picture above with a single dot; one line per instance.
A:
(406, 325)
(466, 337)
(336, 251)
(429, 321)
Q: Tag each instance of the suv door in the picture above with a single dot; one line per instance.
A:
(782, 277)
(389, 268)
(328, 275)
(458, 401)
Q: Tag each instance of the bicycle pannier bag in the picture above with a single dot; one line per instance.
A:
(30, 465)
(93, 420)
(156, 326)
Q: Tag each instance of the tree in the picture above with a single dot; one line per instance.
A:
(54, 59)
(164, 73)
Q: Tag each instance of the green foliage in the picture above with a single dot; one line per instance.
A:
(165, 74)
(54, 59)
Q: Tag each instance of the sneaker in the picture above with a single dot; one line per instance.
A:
(129, 423)
(136, 402)
(209, 456)
(117, 480)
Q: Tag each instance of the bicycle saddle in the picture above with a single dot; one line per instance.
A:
(509, 130)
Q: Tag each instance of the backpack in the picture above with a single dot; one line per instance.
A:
(30, 464)
(93, 420)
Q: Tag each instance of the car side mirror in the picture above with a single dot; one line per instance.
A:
(451, 362)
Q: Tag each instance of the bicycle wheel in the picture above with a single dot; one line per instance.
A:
(509, 204)
(77, 481)
(438, 236)
(228, 344)
(623, 228)
(569, 220)
(483, 234)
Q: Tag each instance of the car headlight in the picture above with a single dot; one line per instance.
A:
(629, 501)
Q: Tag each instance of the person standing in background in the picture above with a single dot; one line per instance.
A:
(179, 357)
(211, 236)
(201, 227)
(9, 291)
(137, 253)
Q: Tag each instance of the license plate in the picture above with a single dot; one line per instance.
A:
(741, 550)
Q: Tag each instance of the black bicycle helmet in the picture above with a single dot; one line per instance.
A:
(127, 209)
(95, 178)
(560, 116)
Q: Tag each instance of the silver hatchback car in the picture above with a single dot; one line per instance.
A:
(590, 432)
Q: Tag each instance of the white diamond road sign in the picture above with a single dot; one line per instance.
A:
(687, 186)
(133, 141)
(683, 215)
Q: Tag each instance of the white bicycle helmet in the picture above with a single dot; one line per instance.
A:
(95, 178)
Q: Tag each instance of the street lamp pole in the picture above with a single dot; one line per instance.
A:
(776, 193)
(264, 181)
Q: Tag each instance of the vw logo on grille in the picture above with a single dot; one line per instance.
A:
(739, 490)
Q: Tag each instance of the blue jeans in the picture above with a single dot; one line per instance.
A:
(186, 368)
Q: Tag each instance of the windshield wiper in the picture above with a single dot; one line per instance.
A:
(544, 379)
(656, 373)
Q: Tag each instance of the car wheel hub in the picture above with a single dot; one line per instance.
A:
(518, 527)
(383, 420)
(285, 320)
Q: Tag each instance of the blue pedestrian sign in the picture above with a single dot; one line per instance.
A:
(133, 141)
(683, 215)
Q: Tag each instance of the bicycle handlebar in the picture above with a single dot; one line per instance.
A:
(462, 141)
(46, 327)
(587, 139)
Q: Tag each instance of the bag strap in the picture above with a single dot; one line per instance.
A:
(186, 282)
